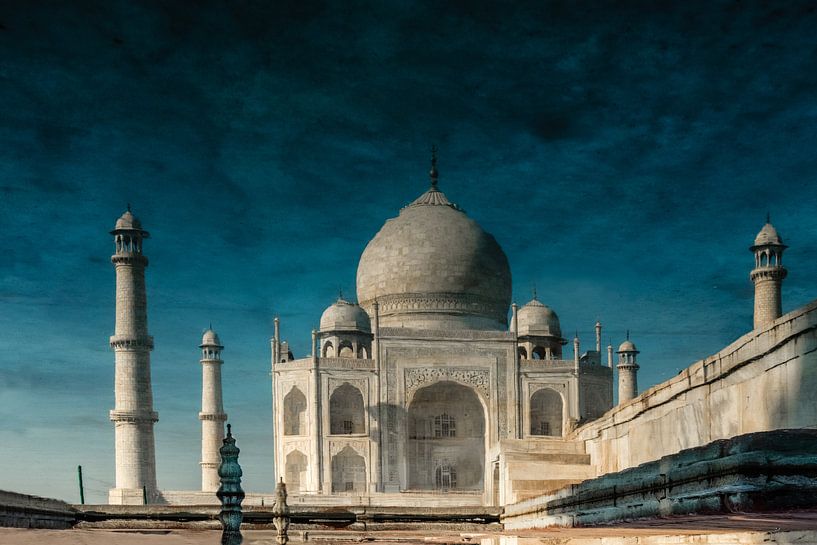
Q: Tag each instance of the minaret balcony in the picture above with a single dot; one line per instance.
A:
(127, 342)
(129, 258)
(213, 417)
(775, 272)
(134, 416)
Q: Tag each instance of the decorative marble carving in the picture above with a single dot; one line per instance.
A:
(430, 302)
(359, 446)
(360, 383)
(417, 377)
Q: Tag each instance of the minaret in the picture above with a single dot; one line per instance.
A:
(627, 371)
(133, 414)
(598, 338)
(768, 274)
(212, 410)
(576, 354)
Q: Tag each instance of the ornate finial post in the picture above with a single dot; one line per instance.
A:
(280, 512)
(230, 493)
(433, 172)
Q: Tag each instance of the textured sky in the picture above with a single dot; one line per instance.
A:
(624, 154)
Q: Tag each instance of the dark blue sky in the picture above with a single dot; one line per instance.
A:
(624, 154)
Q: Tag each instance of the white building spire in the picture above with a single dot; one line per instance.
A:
(768, 274)
(212, 414)
(133, 415)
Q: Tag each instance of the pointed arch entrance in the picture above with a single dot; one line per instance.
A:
(446, 439)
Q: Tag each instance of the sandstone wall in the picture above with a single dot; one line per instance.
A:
(765, 380)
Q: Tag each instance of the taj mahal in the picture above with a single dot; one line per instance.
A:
(434, 388)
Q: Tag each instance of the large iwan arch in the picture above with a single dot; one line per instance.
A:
(446, 439)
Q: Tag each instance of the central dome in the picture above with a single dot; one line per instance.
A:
(433, 267)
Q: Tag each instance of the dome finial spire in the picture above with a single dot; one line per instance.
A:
(433, 173)
(128, 207)
(534, 292)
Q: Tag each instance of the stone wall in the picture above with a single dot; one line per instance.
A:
(765, 380)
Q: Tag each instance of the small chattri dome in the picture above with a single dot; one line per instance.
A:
(210, 338)
(538, 319)
(627, 346)
(345, 316)
(768, 237)
(128, 221)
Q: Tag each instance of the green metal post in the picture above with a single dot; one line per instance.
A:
(81, 488)
(145, 494)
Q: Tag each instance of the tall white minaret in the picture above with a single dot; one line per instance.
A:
(133, 415)
(768, 275)
(212, 414)
(627, 371)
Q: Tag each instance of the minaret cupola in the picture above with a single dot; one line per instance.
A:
(627, 370)
(768, 275)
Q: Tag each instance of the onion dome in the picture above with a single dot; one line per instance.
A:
(767, 237)
(345, 316)
(433, 267)
(627, 346)
(537, 319)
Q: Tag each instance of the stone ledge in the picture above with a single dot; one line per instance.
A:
(755, 472)
(25, 511)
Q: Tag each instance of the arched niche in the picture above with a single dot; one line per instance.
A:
(546, 410)
(346, 411)
(295, 412)
(295, 471)
(348, 472)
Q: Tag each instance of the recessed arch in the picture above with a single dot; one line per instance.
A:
(546, 410)
(295, 412)
(295, 471)
(346, 411)
(446, 438)
(348, 471)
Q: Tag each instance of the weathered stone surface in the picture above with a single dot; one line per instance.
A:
(763, 381)
(768, 471)
(25, 511)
